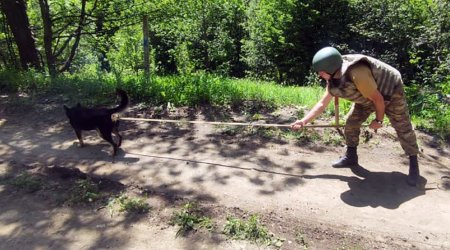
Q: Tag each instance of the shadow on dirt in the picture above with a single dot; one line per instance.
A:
(44, 137)
(43, 217)
(376, 189)
(38, 137)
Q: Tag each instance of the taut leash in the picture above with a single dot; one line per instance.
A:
(248, 124)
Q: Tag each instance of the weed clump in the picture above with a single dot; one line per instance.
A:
(190, 218)
(250, 229)
(129, 205)
(27, 182)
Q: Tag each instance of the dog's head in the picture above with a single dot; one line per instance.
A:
(71, 111)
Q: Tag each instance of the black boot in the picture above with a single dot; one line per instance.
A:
(413, 176)
(350, 159)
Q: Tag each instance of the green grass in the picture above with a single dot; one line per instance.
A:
(302, 136)
(333, 138)
(429, 109)
(27, 182)
(276, 93)
(251, 229)
(189, 218)
(300, 238)
(84, 191)
(192, 90)
(129, 205)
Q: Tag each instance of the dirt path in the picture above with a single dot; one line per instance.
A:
(227, 170)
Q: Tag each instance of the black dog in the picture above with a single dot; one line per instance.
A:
(82, 118)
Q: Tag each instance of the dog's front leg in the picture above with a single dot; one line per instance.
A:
(80, 137)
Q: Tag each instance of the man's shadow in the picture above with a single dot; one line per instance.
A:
(385, 189)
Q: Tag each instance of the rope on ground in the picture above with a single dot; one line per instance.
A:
(336, 125)
(250, 124)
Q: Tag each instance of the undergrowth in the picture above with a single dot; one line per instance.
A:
(27, 182)
(430, 108)
(251, 229)
(127, 204)
(84, 191)
(189, 218)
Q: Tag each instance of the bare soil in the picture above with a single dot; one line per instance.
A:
(238, 171)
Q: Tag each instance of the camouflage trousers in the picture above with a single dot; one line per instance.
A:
(396, 109)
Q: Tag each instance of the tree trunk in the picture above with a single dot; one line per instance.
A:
(146, 46)
(10, 58)
(102, 48)
(3, 59)
(16, 15)
(74, 48)
(48, 36)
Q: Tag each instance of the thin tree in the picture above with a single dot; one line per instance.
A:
(77, 36)
(146, 46)
(16, 15)
(48, 36)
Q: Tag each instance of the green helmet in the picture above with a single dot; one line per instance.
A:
(327, 59)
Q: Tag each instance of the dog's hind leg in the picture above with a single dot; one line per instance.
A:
(108, 137)
(80, 137)
(116, 132)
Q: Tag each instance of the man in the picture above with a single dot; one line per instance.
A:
(372, 86)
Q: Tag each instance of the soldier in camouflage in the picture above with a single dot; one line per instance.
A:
(372, 86)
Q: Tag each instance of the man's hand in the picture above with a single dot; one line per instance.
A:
(297, 125)
(375, 125)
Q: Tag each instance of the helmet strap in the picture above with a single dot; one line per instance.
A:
(333, 81)
(334, 73)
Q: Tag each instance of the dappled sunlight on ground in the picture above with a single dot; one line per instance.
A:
(248, 169)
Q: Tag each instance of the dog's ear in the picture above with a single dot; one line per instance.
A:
(78, 105)
(66, 108)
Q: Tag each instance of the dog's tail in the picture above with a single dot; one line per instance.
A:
(123, 101)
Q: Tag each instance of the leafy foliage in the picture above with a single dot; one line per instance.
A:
(271, 40)
(190, 218)
(84, 191)
(430, 108)
(124, 203)
(27, 182)
(250, 229)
